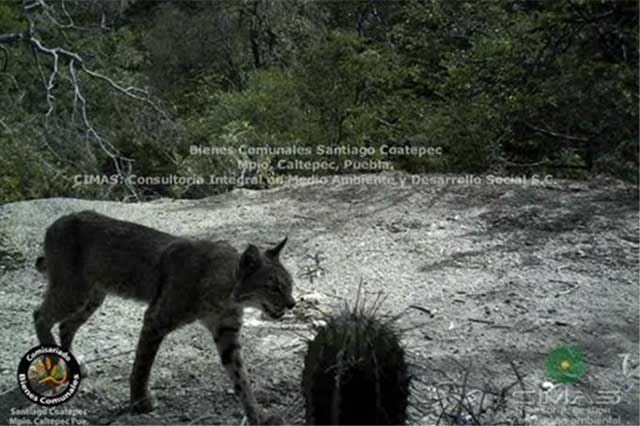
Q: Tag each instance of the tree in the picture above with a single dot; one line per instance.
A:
(43, 30)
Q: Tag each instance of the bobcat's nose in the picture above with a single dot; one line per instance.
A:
(291, 304)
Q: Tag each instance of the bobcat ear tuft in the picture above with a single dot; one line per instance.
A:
(251, 258)
(275, 251)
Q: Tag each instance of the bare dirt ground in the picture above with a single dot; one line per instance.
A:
(502, 274)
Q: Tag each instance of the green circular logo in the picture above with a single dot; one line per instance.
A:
(564, 364)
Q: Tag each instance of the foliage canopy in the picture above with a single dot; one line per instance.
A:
(509, 86)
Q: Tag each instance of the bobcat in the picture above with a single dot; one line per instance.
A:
(88, 255)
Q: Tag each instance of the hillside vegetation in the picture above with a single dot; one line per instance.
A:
(123, 88)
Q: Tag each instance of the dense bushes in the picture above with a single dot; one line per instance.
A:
(512, 86)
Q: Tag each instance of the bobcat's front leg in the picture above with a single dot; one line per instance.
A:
(227, 342)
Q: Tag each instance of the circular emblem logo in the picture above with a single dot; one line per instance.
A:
(48, 375)
(564, 364)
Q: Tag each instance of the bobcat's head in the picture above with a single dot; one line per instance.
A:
(264, 283)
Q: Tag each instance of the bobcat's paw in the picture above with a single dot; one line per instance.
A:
(84, 371)
(142, 405)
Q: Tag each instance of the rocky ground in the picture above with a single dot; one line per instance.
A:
(501, 275)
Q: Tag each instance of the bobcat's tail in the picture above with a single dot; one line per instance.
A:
(41, 264)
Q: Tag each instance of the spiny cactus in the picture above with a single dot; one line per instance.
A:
(355, 371)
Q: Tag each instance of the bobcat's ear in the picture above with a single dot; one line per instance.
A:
(251, 258)
(275, 251)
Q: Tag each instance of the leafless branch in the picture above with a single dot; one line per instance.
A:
(5, 52)
(76, 64)
(556, 134)
(28, 7)
(63, 5)
(7, 129)
(545, 162)
(131, 91)
(316, 270)
(36, 59)
(522, 387)
(11, 37)
(54, 53)
(11, 78)
(105, 145)
(58, 52)
(49, 12)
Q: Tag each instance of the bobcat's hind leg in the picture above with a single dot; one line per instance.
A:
(56, 306)
(66, 294)
(70, 325)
